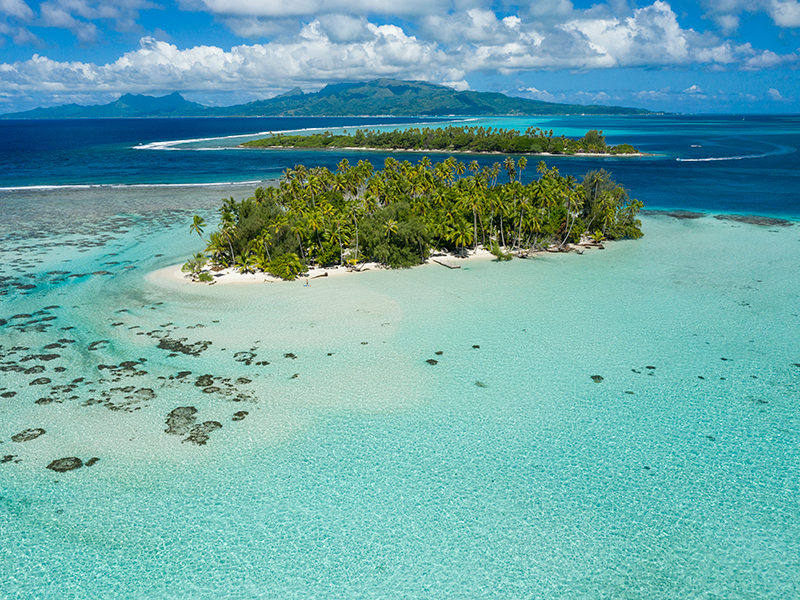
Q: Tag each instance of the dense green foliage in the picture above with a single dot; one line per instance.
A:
(452, 139)
(397, 216)
(377, 97)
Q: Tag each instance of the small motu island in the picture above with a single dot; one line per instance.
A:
(401, 215)
(452, 139)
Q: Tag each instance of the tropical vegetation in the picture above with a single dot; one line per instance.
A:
(399, 215)
(452, 139)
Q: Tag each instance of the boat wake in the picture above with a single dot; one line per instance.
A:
(779, 150)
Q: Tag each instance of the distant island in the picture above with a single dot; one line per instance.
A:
(452, 139)
(399, 215)
(372, 98)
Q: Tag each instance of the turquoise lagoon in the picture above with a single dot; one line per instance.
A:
(360, 470)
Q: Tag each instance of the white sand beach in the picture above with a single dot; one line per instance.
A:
(448, 260)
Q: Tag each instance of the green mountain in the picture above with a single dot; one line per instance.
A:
(372, 98)
(129, 105)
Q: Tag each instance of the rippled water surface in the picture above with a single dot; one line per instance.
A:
(617, 424)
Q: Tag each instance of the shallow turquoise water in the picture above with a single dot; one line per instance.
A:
(375, 474)
(362, 471)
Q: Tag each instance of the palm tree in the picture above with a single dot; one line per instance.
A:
(246, 262)
(508, 165)
(263, 240)
(197, 226)
(228, 229)
(522, 163)
(216, 248)
(471, 201)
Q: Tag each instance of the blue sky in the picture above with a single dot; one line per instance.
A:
(672, 55)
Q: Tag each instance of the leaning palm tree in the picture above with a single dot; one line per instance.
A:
(228, 229)
(197, 226)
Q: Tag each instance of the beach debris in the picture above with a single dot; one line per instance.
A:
(597, 378)
(446, 264)
(432, 361)
(180, 420)
(199, 433)
(27, 435)
(62, 465)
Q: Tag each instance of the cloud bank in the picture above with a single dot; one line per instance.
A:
(336, 48)
(310, 43)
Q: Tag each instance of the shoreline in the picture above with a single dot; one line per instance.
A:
(230, 275)
(435, 151)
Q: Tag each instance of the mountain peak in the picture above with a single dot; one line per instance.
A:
(376, 97)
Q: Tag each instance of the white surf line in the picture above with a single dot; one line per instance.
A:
(171, 145)
(88, 186)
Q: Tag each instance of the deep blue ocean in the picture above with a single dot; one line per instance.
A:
(740, 164)
(619, 424)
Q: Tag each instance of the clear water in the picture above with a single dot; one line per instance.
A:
(362, 471)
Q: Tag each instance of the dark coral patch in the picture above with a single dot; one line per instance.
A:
(179, 346)
(204, 380)
(180, 420)
(199, 433)
(28, 435)
(62, 465)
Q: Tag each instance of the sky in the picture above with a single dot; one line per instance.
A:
(706, 56)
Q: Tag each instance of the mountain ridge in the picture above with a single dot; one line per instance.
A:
(371, 98)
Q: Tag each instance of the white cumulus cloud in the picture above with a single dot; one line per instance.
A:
(775, 95)
(312, 58)
(16, 8)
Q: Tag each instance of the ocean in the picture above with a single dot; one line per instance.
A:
(618, 424)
